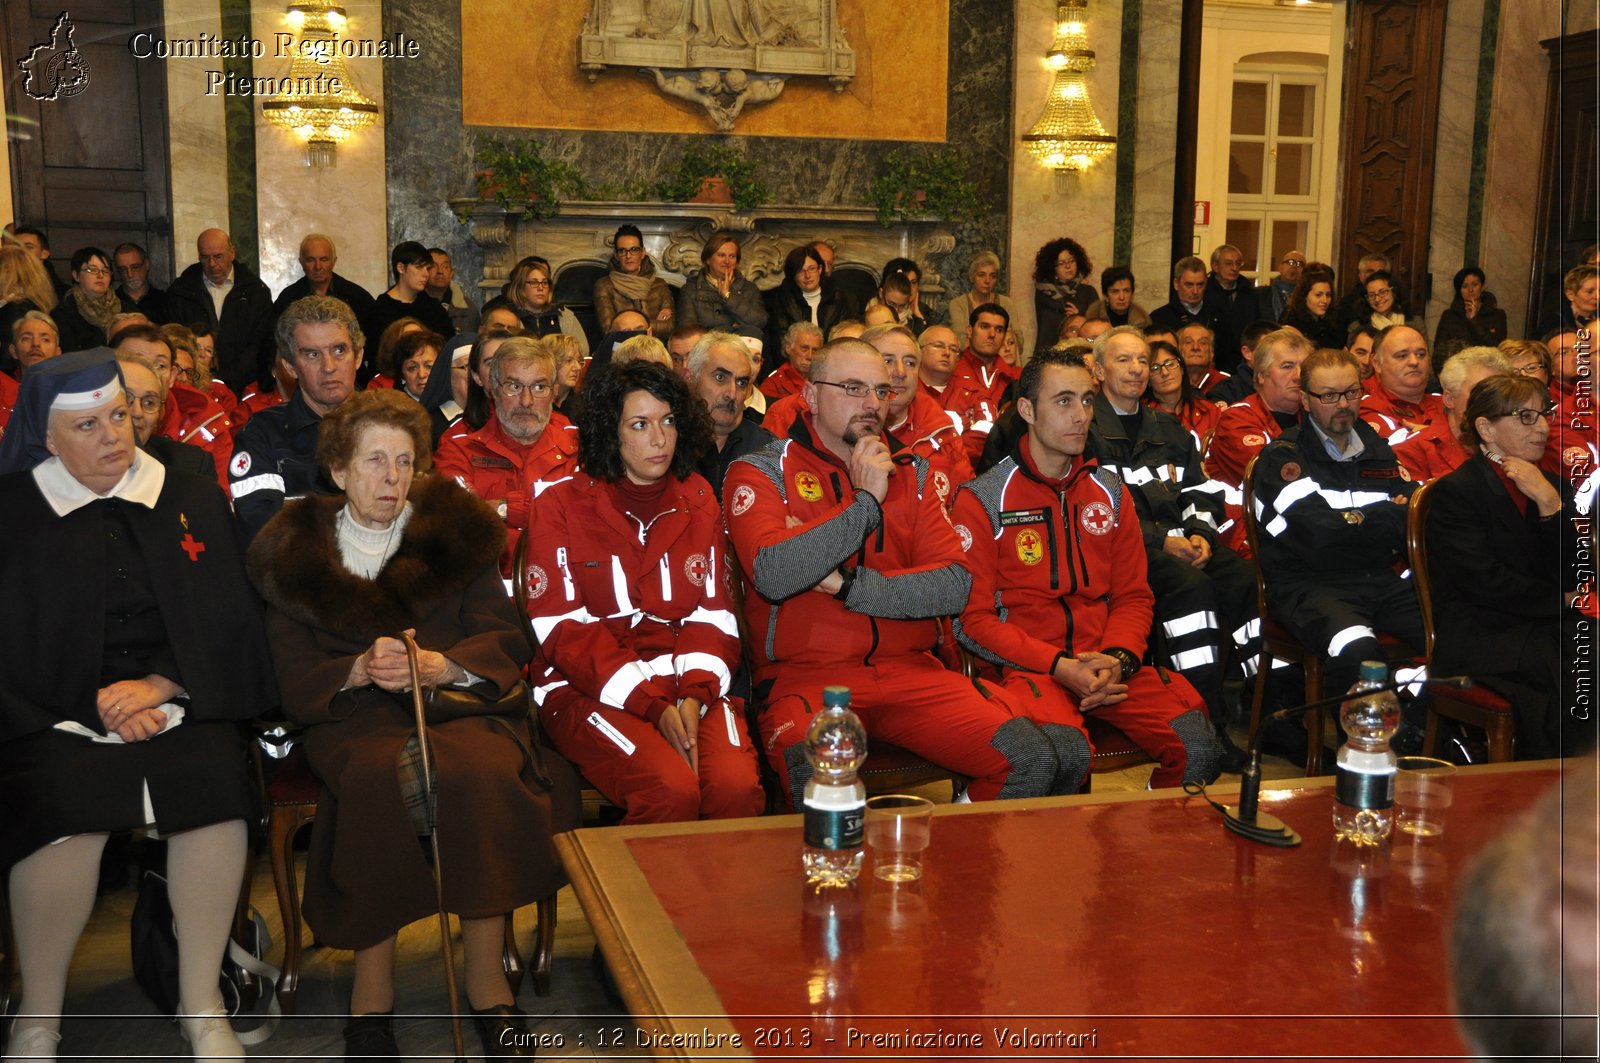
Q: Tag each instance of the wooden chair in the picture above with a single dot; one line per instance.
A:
(1276, 641)
(1478, 705)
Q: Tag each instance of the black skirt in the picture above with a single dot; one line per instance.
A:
(54, 784)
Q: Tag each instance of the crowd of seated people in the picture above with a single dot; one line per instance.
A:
(984, 542)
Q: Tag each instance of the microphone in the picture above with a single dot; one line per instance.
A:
(1246, 820)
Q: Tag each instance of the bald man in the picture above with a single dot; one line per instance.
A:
(226, 296)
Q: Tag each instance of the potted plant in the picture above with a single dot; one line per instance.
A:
(713, 173)
(915, 184)
(518, 175)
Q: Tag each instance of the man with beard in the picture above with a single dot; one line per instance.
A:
(849, 562)
(915, 418)
(524, 448)
(719, 373)
(1331, 501)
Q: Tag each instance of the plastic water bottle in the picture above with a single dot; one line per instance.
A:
(1364, 778)
(835, 801)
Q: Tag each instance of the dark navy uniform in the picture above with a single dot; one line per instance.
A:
(275, 458)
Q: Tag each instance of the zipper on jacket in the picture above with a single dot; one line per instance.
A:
(1078, 542)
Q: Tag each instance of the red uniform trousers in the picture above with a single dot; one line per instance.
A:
(1150, 717)
(629, 761)
(916, 703)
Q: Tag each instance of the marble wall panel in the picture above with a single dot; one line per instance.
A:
(430, 147)
(196, 134)
(1157, 159)
(1044, 207)
(1516, 136)
(347, 201)
(1458, 91)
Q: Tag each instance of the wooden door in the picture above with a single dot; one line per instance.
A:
(89, 160)
(1391, 117)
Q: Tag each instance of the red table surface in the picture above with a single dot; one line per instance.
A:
(1144, 924)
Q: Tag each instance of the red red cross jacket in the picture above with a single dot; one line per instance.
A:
(930, 431)
(1431, 454)
(492, 465)
(907, 562)
(1058, 566)
(785, 380)
(634, 616)
(1395, 419)
(1244, 428)
(977, 392)
(192, 416)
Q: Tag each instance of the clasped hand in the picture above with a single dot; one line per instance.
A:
(384, 665)
(1095, 678)
(128, 707)
(680, 726)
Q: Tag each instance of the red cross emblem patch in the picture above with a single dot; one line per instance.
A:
(1097, 518)
(695, 568)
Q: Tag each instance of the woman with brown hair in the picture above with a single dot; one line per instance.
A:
(1310, 310)
(89, 304)
(1502, 567)
(631, 284)
(716, 297)
(342, 578)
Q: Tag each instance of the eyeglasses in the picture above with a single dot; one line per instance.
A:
(1331, 398)
(1294, 262)
(534, 282)
(96, 271)
(630, 250)
(1528, 417)
(1166, 366)
(857, 390)
(1378, 293)
(513, 389)
(1531, 369)
(147, 403)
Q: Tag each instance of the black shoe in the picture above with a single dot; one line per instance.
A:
(504, 1030)
(371, 1036)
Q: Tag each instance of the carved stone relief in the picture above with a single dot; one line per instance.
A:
(722, 55)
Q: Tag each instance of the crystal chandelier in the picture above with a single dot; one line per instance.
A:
(1068, 136)
(319, 101)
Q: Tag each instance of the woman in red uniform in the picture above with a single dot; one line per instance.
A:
(627, 589)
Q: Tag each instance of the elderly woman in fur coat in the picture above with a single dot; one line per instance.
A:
(342, 578)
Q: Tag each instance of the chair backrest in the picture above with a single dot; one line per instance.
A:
(1251, 532)
(1417, 551)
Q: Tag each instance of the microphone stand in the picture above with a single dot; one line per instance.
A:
(1247, 820)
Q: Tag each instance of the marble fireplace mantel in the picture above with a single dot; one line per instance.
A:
(581, 233)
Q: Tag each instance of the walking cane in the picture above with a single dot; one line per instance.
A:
(445, 945)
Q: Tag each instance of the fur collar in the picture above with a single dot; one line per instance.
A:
(451, 538)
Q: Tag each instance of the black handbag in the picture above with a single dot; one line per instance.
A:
(443, 704)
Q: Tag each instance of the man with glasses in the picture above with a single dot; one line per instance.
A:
(849, 563)
(1397, 404)
(1273, 299)
(1331, 505)
(138, 295)
(189, 415)
(526, 447)
(1438, 450)
(147, 396)
(275, 453)
(1231, 299)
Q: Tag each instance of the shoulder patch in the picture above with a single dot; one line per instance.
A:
(240, 464)
(744, 496)
(1253, 439)
(1290, 471)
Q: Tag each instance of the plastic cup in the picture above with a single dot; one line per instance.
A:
(899, 827)
(1422, 791)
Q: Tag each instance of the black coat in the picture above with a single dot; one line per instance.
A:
(1232, 313)
(76, 332)
(247, 317)
(1497, 578)
(58, 593)
(786, 305)
(1456, 330)
(1327, 331)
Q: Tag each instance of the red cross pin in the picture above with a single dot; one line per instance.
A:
(193, 547)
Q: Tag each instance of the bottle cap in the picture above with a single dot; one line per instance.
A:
(835, 696)
(1376, 671)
